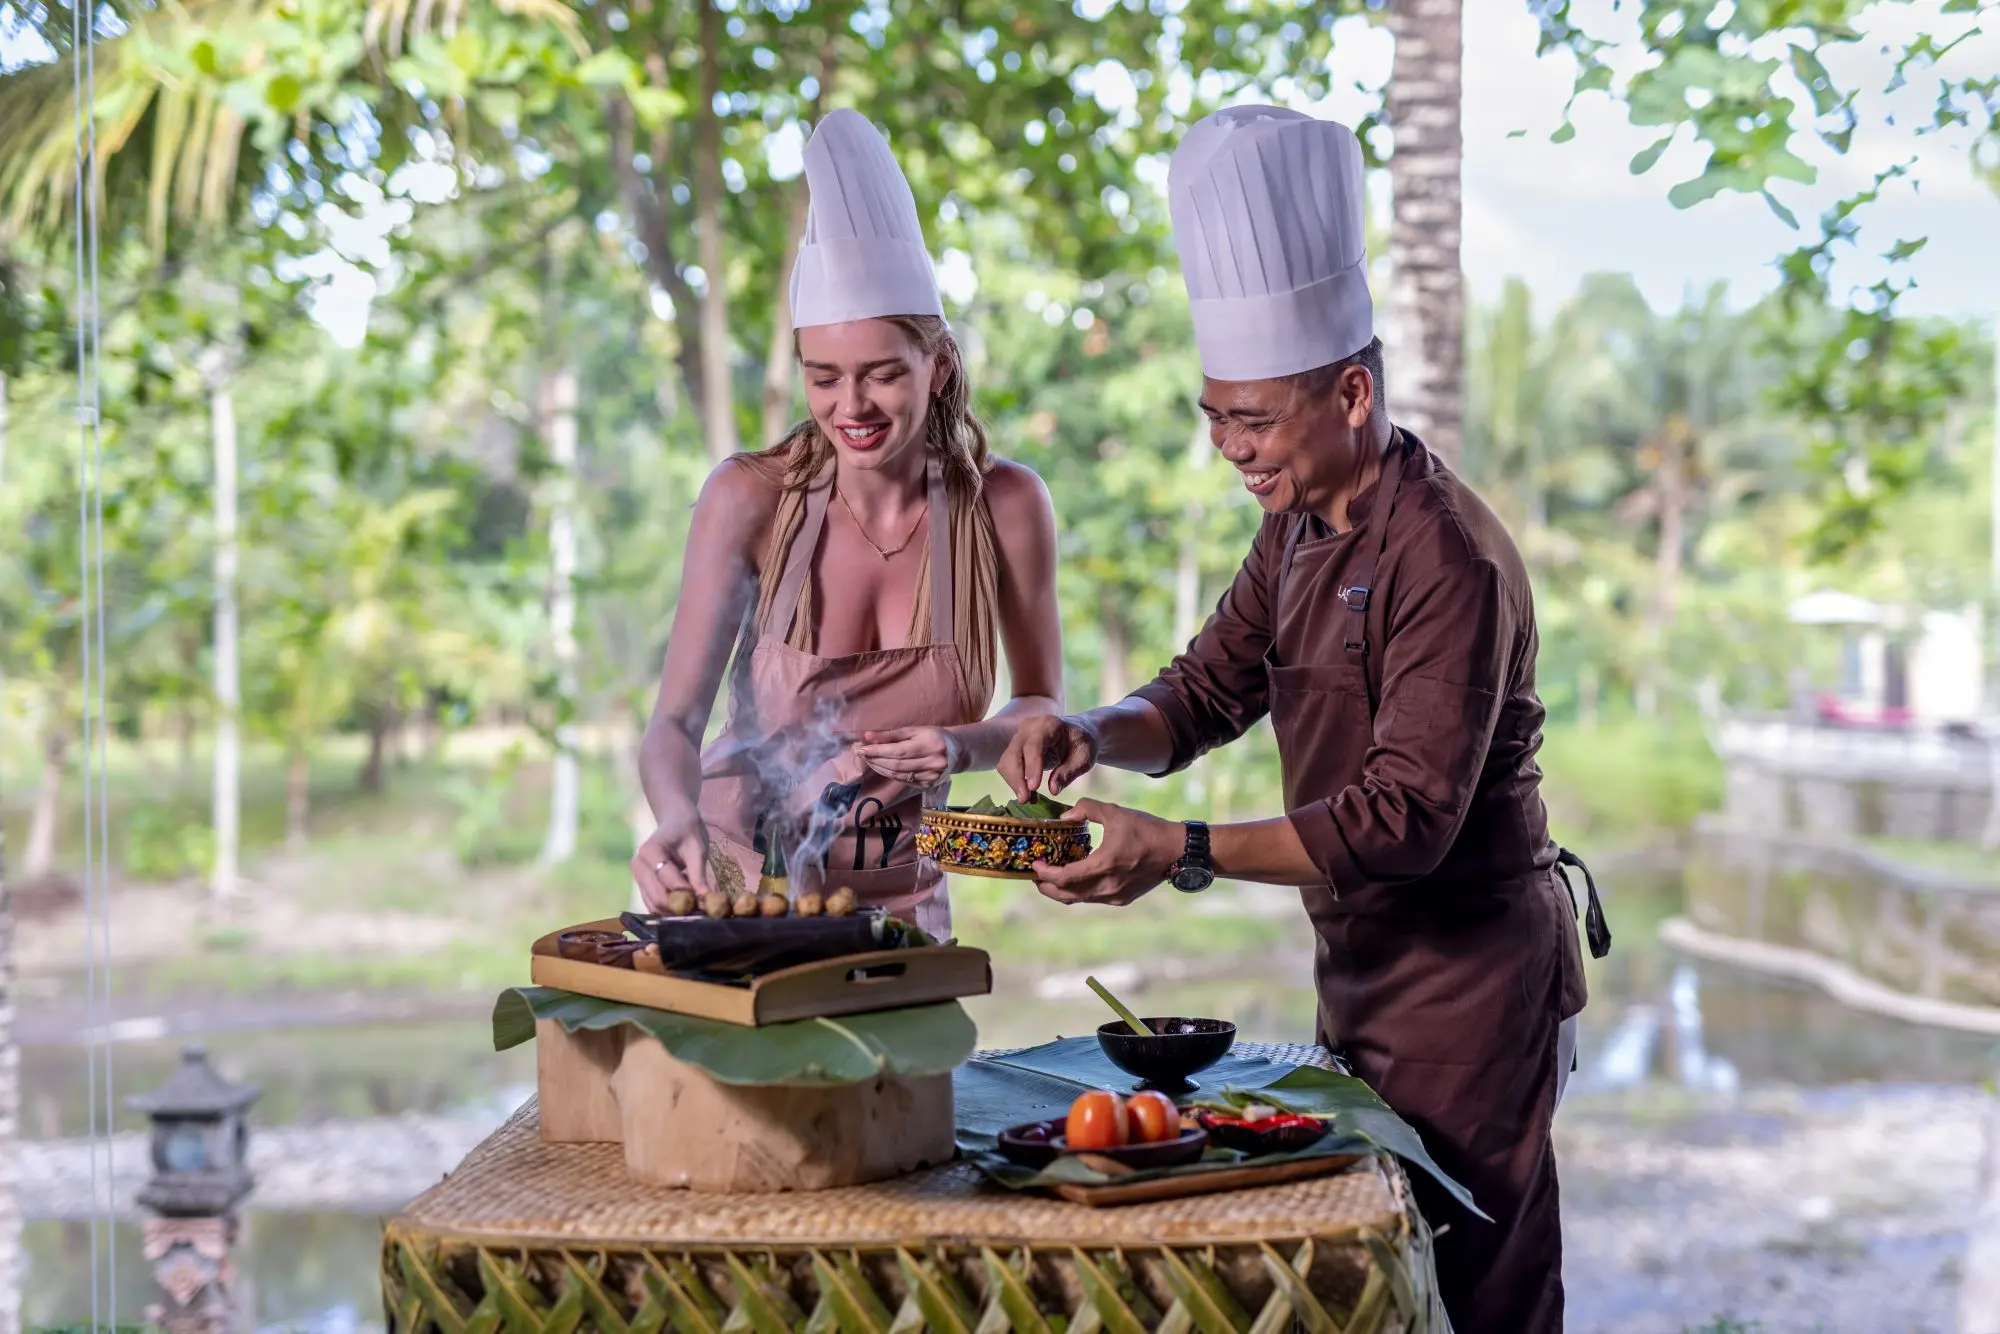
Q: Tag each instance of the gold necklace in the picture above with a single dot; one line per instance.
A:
(862, 528)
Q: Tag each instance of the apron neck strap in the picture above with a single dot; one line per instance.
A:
(1358, 594)
(798, 559)
(943, 619)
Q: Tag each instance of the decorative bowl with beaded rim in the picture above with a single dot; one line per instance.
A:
(999, 846)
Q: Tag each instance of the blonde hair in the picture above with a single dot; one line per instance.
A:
(956, 437)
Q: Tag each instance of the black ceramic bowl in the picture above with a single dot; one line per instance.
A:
(1175, 1049)
(1039, 1143)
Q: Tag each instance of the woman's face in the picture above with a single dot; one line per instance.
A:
(868, 387)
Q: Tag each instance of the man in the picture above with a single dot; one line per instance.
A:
(1383, 620)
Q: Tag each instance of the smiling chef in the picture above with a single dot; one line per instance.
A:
(1383, 620)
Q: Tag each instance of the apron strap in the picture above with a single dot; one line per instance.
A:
(798, 560)
(1595, 928)
(1358, 594)
(943, 618)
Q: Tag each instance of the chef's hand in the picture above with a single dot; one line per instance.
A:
(1048, 749)
(1134, 852)
(674, 856)
(917, 756)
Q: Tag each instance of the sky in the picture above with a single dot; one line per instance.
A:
(1551, 213)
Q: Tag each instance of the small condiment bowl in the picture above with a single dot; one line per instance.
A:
(1039, 1143)
(1174, 1050)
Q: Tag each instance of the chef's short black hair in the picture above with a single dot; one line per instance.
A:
(1321, 380)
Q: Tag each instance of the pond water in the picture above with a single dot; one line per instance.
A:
(1654, 1017)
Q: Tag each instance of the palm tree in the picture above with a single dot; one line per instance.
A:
(1426, 284)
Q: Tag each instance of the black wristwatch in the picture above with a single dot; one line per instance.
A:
(1194, 872)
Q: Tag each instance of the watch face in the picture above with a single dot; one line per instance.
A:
(1193, 879)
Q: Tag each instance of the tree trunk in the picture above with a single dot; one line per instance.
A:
(298, 798)
(1187, 577)
(379, 723)
(718, 407)
(222, 886)
(1426, 356)
(1114, 681)
(3, 430)
(1979, 1277)
(778, 358)
(41, 856)
(10, 1118)
(559, 397)
(1670, 498)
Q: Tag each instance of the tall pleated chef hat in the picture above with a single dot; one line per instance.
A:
(1267, 210)
(863, 255)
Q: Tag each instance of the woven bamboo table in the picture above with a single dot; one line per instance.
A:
(525, 1236)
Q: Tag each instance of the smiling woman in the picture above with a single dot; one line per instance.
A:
(867, 569)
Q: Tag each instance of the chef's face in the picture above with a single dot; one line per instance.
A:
(868, 386)
(1298, 445)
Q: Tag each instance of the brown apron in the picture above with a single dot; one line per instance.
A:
(795, 719)
(1447, 1004)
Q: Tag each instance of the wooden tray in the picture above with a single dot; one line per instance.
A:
(1247, 1177)
(855, 984)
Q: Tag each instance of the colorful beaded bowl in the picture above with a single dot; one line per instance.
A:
(999, 845)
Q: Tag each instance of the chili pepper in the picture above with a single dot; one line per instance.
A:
(1282, 1121)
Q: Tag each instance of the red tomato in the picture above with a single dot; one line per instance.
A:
(1097, 1120)
(1154, 1118)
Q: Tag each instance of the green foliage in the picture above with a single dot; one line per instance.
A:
(486, 830)
(1627, 780)
(915, 1042)
(1750, 82)
(164, 842)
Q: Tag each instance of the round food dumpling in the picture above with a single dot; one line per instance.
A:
(744, 904)
(715, 903)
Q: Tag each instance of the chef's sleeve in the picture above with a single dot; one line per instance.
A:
(1445, 669)
(1218, 689)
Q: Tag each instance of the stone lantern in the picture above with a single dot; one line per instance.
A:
(201, 1172)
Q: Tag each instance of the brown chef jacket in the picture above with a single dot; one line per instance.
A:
(1407, 724)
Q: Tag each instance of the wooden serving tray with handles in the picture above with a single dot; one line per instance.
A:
(851, 984)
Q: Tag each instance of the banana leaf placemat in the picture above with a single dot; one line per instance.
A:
(996, 1091)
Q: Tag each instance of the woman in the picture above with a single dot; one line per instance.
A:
(864, 568)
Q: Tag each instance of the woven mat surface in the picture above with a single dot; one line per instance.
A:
(514, 1185)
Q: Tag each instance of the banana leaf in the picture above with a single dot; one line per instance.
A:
(1070, 1170)
(995, 1093)
(915, 1042)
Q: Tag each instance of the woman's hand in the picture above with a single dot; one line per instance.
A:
(674, 856)
(920, 757)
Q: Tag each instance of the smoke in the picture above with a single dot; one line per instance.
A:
(807, 778)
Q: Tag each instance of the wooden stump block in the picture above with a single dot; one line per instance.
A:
(573, 1073)
(682, 1127)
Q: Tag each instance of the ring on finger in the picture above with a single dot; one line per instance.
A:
(659, 866)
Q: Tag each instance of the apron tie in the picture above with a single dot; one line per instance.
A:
(1595, 928)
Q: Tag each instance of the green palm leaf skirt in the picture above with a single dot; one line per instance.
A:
(526, 1236)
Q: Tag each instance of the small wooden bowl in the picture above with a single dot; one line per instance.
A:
(1039, 1143)
(999, 846)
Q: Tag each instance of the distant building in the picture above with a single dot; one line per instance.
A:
(1897, 670)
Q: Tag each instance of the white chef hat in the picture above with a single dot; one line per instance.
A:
(863, 252)
(1267, 210)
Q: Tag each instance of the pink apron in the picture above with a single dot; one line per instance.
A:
(796, 718)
